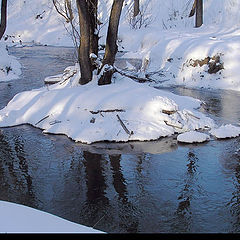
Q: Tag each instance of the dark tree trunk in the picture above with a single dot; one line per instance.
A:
(111, 42)
(199, 13)
(136, 8)
(3, 23)
(193, 10)
(84, 48)
(92, 9)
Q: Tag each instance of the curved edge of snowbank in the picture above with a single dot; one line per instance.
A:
(16, 218)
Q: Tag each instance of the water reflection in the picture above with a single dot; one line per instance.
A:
(157, 186)
(95, 179)
(222, 105)
(119, 182)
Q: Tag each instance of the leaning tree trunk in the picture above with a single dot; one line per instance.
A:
(111, 43)
(3, 23)
(84, 48)
(136, 8)
(199, 13)
(193, 10)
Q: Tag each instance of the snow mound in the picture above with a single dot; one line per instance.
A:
(10, 68)
(226, 131)
(193, 137)
(122, 111)
(16, 218)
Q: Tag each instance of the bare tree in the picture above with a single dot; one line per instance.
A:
(197, 9)
(193, 10)
(3, 23)
(199, 13)
(87, 11)
(111, 42)
(136, 8)
(84, 48)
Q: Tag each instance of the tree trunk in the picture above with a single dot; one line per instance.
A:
(3, 23)
(111, 42)
(199, 13)
(92, 9)
(136, 8)
(193, 10)
(84, 48)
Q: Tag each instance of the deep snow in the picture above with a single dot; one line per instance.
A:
(170, 48)
(17, 218)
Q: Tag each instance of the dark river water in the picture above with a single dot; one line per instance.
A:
(151, 187)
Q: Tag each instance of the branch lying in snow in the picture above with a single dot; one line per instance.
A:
(168, 112)
(65, 79)
(141, 80)
(124, 126)
(111, 110)
(42, 119)
(171, 125)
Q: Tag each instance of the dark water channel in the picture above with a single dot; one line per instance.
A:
(134, 187)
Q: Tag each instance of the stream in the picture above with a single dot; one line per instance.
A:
(144, 187)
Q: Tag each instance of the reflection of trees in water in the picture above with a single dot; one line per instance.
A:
(95, 179)
(232, 157)
(119, 182)
(15, 180)
(127, 221)
(114, 213)
(183, 212)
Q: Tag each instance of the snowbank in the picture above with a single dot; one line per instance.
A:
(163, 36)
(122, 111)
(10, 68)
(16, 218)
(193, 137)
(226, 131)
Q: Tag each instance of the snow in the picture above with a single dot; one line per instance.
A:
(193, 137)
(225, 131)
(122, 111)
(168, 45)
(10, 68)
(166, 40)
(16, 218)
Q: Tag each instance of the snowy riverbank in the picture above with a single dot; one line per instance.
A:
(16, 218)
(10, 68)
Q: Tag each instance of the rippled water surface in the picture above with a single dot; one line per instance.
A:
(151, 187)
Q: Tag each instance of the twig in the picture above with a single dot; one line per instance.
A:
(141, 80)
(171, 125)
(42, 119)
(124, 126)
(101, 111)
(193, 115)
(74, 72)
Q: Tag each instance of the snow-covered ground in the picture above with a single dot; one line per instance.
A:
(16, 218)
(164, 36)
(10, 68)
(173, 52)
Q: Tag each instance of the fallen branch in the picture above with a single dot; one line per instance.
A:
(64, 80)
(171, 125)
(110, 110)
(54, 122)
(193, 116)
(168, 112)
(141, 80)
(42, 119)
(124, 126)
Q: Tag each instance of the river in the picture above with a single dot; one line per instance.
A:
(150, 187)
